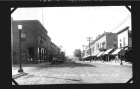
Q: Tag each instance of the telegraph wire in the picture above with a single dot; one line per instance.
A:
(124, 20)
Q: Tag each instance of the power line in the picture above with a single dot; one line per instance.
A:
(120, 23)
(124, 20)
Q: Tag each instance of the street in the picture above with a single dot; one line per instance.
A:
(75, 72)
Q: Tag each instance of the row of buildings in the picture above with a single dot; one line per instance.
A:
(110, 45)
(36, 45)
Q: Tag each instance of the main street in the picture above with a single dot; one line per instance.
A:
(78, 72)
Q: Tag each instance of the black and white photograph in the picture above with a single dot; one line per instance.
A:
(71, 45)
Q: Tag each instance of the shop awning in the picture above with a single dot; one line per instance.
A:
(116, 51)
(95, 54)
(107, 51)
(100, 54)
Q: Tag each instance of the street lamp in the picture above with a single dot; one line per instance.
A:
(20, 68)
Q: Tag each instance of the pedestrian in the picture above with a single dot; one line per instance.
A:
(116, 59)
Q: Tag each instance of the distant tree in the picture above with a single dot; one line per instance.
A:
(63, 57)
(77, 53)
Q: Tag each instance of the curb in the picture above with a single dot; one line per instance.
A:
(115, 64)
(111, 63)
(19, 75)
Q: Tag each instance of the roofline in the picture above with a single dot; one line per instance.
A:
(124, 29)
(100, 37)
(31, 21)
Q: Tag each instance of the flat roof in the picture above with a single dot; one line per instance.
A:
(32, 21)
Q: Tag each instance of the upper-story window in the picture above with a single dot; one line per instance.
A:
(124, 41)
(103, 45)
(93, 49)
(41, 39)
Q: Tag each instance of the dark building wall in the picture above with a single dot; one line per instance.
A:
(30, 29)
(43, 41)
(34, 33)
(111, 39)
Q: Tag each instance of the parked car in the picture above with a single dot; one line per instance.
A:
(54, 61)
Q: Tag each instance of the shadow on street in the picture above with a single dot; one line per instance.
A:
(31, 76)
(65, 64)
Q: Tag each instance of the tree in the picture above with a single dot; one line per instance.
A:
(63, 57)
(77, 53)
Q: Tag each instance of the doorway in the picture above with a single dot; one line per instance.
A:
(31, 53)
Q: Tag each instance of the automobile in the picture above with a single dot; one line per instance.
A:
(54, 61)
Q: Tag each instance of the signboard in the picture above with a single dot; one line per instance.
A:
(23, 35)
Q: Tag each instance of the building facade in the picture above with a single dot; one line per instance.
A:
(125, 43)
(35, 46)
(103, 42)
(124, 38)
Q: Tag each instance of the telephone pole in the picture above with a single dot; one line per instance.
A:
(42, 17)
(89, 39)
(83, 51)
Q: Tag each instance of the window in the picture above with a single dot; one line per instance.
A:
(103, 45)
(120, 45)
(93, 49)
(124, 41)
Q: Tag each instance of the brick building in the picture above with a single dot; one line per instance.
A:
(102, 42)
(36, 45)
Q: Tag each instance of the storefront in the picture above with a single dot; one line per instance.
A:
(100, 55)
(116, 55)
(106, 55)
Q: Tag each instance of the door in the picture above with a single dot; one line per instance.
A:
(31, 53)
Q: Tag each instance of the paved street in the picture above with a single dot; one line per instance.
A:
(75, 72)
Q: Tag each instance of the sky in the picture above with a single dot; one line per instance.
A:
(70, 26)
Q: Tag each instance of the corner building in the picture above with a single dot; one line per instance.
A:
(36, 44)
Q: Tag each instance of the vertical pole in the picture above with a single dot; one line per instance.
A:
(83, 52)
(89, 48)
(42, 17)
(20, 47)
(88, 39)
(20, 69)
(108, 57)
(121, 57)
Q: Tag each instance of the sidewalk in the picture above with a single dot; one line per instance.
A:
(112, 63)
(26, 68)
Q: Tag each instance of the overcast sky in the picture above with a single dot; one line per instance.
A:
(70, 26)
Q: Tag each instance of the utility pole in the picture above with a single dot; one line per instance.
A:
(42, 17)
(83, 51)
(60, 51)
(89, 39)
